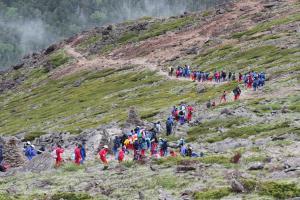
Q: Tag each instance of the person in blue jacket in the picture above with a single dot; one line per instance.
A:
(1, 153)
(29, 151)
(83, 153)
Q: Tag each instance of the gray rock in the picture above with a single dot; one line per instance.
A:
(256, 166)
(236, 186)
(293, 162)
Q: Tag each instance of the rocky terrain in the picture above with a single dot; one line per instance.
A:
(83, 88)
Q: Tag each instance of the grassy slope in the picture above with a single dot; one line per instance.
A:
(104, 96)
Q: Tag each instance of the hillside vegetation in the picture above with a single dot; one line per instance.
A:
(94, 77)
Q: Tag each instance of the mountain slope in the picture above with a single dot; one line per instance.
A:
(93, 78)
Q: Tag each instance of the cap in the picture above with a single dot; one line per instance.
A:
(28, 143)
(105, 146)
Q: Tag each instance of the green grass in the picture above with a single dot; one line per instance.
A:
(58, 58)
(170, 182)
(268, 25)
(257, 129)
(58, 106)
(212, 194)
(279, 190)
(209, 159)
(88, 42)
(71, 196)
(155, 29)
(212, 126)
(234, 58)
(72, 167)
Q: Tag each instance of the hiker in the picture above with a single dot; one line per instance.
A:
(117, 144)
(163, 144)
(171, 71)
(208, 104)
(103, 152)
(183, 150)
(82, 153)
(255, 84)
(189, 151)
(154, 145)
(77, 154)
(121, 154)
(249, 80)
(30, 151)
(237, 92)
(229, 75)
(190, 111)
(240, 77)
(59, 151)
(223, 98)
(169, 125)
(180, 143)
(181, 116)
(157, 127)
(233, 77)
(213, 104)
(173, 153)
(1, 153)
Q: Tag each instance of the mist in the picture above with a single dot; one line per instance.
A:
(21, 34)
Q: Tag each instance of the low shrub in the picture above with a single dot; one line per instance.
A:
(212, 194)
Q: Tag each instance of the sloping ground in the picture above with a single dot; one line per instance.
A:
(96, 77)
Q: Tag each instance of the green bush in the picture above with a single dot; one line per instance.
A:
(212, 194)
(72, 167)
(216, 159)
(279, 190)
(128, 163)
(30, 136)
(71, 196)
(58, 58)
(249, 184)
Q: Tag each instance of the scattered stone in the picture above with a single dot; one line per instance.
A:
(236, 186)
(41, 162)
(270, 5)
(50, 49)
(163, 195)
(133, 118)
(226, 111)
(18, 66)
(185, 168)
(12, 153)
(77, 83)
(292, 163)
(141, 196)
(256, 166)
(220, 11)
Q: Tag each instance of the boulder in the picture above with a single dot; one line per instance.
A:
(133, 118)
(12, 153)
(39, 163)
(236, 186)
(256, 166)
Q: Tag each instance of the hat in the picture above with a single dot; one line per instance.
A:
(28, 143)
(105, 147)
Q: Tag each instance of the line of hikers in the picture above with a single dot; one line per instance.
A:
(140, 141)
(251, 79)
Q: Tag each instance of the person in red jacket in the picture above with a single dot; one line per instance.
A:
(190, 113)
(77, 154)
(121, 155)
(103, 152)
(223, 97)
(58, 152)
